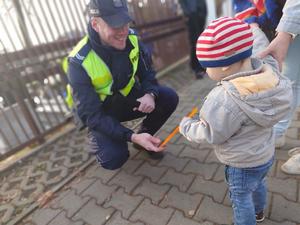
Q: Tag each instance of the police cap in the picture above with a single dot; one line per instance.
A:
(113, 12)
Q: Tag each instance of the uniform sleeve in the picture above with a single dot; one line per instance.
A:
(145, 72)
(89, 107)
(216, 124)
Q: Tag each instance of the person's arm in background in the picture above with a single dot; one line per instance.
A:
(289, 24)
(260, 43)
(183, 5)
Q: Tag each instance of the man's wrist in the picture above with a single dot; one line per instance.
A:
(287, 35)
(152, 94)
(129, 135)
(133, 136)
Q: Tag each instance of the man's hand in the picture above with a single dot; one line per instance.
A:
(147, 104)
(278, 48)
(147, 141)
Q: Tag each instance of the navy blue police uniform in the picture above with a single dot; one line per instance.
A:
(107, 136)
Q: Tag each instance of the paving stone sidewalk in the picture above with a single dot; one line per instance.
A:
(186, 187)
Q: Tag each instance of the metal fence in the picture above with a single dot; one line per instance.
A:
(37, 34)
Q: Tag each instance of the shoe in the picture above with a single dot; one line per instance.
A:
(260, 217)
(152, 155)
(280, 142)
(292, 166)
(294, 151)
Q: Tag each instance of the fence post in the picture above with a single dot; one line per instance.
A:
(21, 23)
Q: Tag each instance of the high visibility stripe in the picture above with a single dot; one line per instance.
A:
(98, 71)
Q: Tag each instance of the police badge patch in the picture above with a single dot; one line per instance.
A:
(118, 3)
(94, 12)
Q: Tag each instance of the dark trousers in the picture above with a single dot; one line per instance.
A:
(196, 25)
(111, 153)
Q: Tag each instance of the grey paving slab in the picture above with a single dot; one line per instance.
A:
(198, 154)
(99, 173)
(154, 192)
(285, 187)
(173, 162)
(179, 180)
(131, 165)
(208, 209)
(61, 219)
(144, 156)
(100, 192)
(22, 184)
(212, 158)
(269, 222)
(151, 214)
(117, 219)
(299, 194)
(126, 181)
(81, 184)
(188, 203)
(283, 210)
(152, 172)
(123, 202)
(179, 219)
(44, 216)
(209, 188)
(93, 214)
(71, 203)
(205, 170)
(174, 149)
(219, 175)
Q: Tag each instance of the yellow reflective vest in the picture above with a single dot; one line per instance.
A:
(98, 71)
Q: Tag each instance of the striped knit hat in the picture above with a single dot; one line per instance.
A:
(224, 42)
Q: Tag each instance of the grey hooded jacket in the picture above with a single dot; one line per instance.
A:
(239, 113)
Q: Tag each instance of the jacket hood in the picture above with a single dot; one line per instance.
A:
(263, 95)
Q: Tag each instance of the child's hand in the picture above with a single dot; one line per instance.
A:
(252, 25)
(182, 123)
(182, 126)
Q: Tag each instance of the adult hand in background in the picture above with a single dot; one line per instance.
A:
(278, 48)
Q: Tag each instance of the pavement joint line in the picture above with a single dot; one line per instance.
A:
(92, 179)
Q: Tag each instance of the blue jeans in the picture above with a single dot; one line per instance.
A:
(291, 69)
(247, 191)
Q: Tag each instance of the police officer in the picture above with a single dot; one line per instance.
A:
(109, 72)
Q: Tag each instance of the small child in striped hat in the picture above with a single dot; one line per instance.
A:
(238, 115)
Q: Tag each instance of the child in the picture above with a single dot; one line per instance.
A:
(239, 113)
